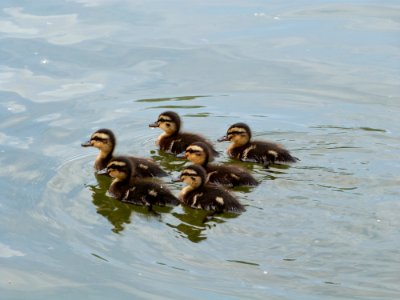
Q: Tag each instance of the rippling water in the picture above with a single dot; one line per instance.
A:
(322, 78)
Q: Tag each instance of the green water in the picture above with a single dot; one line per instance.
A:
(320, 78)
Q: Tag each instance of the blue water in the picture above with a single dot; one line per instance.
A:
(320, 77)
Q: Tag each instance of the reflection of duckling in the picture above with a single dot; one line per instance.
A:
(172, 140)
(105, 141)
(199, 194)
(128, 188)
(199, 154)
(244, 149)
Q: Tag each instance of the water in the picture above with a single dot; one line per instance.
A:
(322, 78)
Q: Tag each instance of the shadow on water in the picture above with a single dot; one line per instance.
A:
(116, 212)
(193, 227)
(177, 105)
(363, 128)
(183, 98)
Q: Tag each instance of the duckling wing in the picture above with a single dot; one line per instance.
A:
(213, 198)
(147, 168)
(230, 175)
(272, 152)
(147, 192)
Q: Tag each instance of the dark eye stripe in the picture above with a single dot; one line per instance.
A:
(115, 168)
(190, 175)
(163, 120)
(192, 151)
(98, 139)
(236, 132)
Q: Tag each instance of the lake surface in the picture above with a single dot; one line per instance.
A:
(320, 77)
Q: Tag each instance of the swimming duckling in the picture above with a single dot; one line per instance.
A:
(105, 141)
(172, 140)
(244, 149)
(200, 194)
(129, 188)
(199, 154)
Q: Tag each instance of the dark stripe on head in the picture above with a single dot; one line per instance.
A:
(103, 135)
(122, 164)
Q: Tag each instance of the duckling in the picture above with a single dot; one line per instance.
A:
(104, 140)
(244, 149)
(129, 188)
(172, 140)
(200, 154)
(200, 194)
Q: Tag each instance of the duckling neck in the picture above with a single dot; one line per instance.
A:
(205, 164)
(235, 146)
(185, 191)
(119, 188)
(165, 135)
(103, 158)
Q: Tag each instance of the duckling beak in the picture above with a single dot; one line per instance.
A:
(103, 171)
(223, 139)
(181, 155)
(155, 124)
(176, 179)
(86, 144)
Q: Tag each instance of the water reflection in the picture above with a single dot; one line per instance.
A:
(194, 223)
(168, 161)
(118, 213)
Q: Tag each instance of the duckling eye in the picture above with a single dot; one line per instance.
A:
(193, 178)
(97, 139)
(168, 124)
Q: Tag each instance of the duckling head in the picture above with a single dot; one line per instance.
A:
(199, 153)
(120, 168)
(238, 133)
(102, 139)
(194, 176)
(169, 122)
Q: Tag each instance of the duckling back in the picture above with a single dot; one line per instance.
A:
(178, 143)
(263, 152)
(213, 198)
(147, 168)
(229, 175)
(145, 192)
